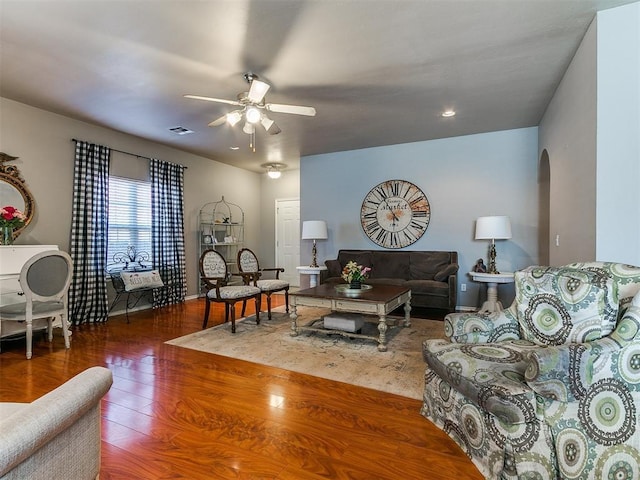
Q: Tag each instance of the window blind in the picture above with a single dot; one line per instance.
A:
(129, 216)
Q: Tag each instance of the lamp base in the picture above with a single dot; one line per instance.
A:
(492, 260)
(314, 259)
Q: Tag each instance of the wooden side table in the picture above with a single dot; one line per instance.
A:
(492, 280)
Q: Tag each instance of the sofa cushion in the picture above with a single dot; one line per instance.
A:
(390, 265)
(428, 286)
(387, 281)
(558, 305)
(361, 257)
(489, 375)
(424, 265)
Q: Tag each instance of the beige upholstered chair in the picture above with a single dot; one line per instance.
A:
(45, 280)
(248, 264)
(215, 275)
(58, 435)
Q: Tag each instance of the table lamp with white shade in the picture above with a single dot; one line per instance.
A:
(493, 228)
(314, 230)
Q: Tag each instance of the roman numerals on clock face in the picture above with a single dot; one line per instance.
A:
(395, 214)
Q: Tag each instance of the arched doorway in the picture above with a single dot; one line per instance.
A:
(544, 207)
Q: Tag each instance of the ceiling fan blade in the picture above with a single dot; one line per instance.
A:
(218, 121)
(295, 109)
(211, 99)
(257, 91)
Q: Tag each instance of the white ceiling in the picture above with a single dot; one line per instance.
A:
(379, 72)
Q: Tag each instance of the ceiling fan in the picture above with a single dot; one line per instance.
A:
(253, 107)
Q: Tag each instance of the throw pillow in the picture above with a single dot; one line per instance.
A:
(138, 280)
(558, 305)
(443, 274)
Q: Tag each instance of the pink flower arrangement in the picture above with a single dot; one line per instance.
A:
(352, 272)
(11, 217)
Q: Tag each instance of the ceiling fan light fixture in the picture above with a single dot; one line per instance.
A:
(253, 115)
(274, 171)
(266, 122)
(253, 107)
(248, 128)
(233, 118)
(258, 90)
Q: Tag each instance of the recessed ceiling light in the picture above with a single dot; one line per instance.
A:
(448, 113)
(234, 148)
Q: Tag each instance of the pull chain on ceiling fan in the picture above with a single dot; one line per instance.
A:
(253, 109)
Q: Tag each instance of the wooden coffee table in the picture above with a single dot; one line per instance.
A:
(379, 300)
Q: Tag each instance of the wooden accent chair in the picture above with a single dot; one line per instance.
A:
(248, 264)
(215, 275)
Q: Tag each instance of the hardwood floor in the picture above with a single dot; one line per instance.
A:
(182, 414)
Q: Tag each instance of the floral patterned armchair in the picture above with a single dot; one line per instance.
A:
(550, 387)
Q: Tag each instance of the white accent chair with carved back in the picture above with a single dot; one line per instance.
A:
(248, 264)
(215, 275)
(45, 280)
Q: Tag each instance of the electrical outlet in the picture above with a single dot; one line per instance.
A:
(463, 287)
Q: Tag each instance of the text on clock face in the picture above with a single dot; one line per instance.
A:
(394, 214)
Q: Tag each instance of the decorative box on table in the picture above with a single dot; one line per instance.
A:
(347, 322)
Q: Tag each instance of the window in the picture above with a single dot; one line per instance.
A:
(129, 216)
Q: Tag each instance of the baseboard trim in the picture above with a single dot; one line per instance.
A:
(466, 309)
(145, 306)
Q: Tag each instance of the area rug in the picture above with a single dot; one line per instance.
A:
(399, 370)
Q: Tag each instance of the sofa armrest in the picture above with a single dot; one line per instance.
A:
(453, 292)
(565, 372)
(43, 440)
(482, 328)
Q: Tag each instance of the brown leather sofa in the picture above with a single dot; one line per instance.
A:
(431, 276)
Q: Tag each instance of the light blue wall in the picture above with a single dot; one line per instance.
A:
(463, 178)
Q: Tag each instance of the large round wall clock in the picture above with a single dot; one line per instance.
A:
(395, 214)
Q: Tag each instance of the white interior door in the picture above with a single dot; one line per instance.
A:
(288, 239)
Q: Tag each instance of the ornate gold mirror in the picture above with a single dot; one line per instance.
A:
(13, 191)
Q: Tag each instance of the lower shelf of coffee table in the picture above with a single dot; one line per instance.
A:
(317, 325)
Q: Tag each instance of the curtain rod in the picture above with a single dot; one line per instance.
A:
(128, 153)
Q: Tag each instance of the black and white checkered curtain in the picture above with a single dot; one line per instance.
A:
(88, 300)
(167, 230)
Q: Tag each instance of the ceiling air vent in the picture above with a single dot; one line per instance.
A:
(181, 130)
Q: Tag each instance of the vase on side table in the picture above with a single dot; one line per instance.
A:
(355, 284)
(6, 235)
